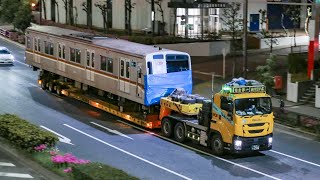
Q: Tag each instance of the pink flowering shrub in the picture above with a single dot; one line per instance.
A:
(68, 170)
(40, 147)
(66, 159)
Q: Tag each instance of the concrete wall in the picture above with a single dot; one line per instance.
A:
(317, 103)
(285, 41)
(200, 48)
(292, 90)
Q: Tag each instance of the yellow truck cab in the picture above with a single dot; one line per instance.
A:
(238, 119)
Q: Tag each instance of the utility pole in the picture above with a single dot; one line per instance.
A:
(313, 50)
(245, 38)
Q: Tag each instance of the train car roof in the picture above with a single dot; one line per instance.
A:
(113, 43)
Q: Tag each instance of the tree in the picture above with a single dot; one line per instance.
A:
(57, 4)
(76, 15)
(65, 4)
(86, 7)
(128, 13)
(293, 12)
(70, 8)
(23, 17)
(160, 9)
(267, 72)
(7, 9)
(269, 36)
(43, 3)
(152, 3)
(103, 6)
(233, 23)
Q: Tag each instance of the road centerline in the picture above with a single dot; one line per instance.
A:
(202, 152)
(126, 152)
(112, 130)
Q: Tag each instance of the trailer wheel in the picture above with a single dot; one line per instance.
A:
(179, 132)
(166, 127)
(217, 145)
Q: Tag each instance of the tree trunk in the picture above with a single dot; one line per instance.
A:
(58, 12)
(174, 22)
(294, 37)
(44, 9)
(104, 24)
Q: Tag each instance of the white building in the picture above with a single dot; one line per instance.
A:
(190, 22)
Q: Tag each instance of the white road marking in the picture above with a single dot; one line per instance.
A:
(6, 164)
(21, 63)
(33, 85)
(308, 162)
(111, 130)
(202, 152)
(126, 152)
(16, 175)
(61, 137)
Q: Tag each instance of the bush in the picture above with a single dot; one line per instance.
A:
(98, 171)
(297, 63)
(24, 134)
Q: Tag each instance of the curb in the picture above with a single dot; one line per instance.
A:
(23, 159)
(13, 42)
(297, 130)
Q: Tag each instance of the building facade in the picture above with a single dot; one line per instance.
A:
(189, 18)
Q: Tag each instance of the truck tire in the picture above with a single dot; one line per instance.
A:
(59, 90)
(179, 132)
(51, 87)
(166, 127)
(43, 84)
(217, 145)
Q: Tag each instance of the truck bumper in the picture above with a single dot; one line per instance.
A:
(245, 145)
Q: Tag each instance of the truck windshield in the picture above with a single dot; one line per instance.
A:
(253, 106)
(177, 63)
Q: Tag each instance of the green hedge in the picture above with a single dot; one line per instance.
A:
(297, 63)
(98, 171)
(24, 134)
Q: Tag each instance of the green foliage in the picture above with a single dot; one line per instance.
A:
(297, 63)
(98, 171)
(8, 9)
(23, 17)
(158, 39)
(267, 72)
(24, 134)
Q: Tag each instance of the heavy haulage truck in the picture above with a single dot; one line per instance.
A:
(238, 119)
(151, 87)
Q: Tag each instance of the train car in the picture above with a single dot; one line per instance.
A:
(125, 71)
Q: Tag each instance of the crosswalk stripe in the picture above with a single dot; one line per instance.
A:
(6, 164)
(16, 175)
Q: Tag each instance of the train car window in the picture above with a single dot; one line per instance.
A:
(127, 69)
(149, 64)
(158, 56)
(46, 47)
(35, 44)
(63, 51)
(59, 50)
(78, 56)
(72, 55)
(92, 59)
(88, 58)
(139, 73)
(28, 42)
(122, 68)
(51, 50)
(110, 65)
(103, 64)
(39, 45)
(177, 63)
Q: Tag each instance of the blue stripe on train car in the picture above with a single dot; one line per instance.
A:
(161, 85)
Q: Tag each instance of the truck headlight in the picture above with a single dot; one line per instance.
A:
(270, 141)
(237, 144)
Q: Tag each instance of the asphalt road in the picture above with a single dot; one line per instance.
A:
(95, 135)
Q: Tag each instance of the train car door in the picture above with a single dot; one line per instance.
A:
(124, 75)
(61, 56)
(90, 64)
(139, 80)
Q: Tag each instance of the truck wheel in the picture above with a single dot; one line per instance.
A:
(217, 145)
(179, 132)
(51, 87)
(43, 84)
(59, 89)
(166, 127)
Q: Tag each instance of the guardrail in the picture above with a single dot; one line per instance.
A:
(301, 121)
